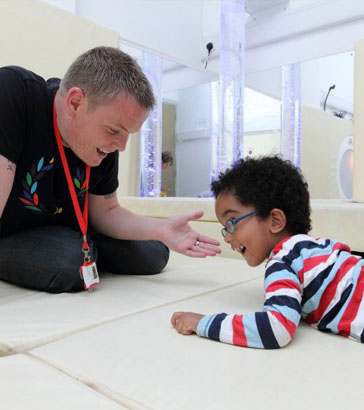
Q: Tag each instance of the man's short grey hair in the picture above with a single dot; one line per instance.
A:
(103, 73)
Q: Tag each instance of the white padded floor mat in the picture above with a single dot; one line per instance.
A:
(143, 358)
(29, 319)
(27, 384)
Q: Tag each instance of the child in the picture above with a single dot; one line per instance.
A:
(263, 205)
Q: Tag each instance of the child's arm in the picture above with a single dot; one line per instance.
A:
(272, 328)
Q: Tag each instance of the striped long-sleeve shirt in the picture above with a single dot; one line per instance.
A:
(316, 279)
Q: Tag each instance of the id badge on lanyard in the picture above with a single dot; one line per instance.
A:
(88, 269)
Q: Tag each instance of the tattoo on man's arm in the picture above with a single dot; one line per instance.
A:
(108, 196)
(11, 166)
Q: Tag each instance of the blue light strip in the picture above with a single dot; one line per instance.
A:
(291, 113)
(227, 145)
(151, 131)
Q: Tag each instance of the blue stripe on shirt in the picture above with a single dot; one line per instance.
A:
(284, 300)
(315, 285)
(335, 322)
(332, 313)
(285, 311)
(301, 248)
(265, 331)
(282, 274)
(275, 267)
(251, 331)
(204, 324)
(214, 330)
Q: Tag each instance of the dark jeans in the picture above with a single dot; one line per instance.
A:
(48, 258)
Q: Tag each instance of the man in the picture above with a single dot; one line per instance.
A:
(47, 127)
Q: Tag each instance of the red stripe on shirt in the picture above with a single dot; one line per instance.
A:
(279, 246)
(239, 337)
(330, 291)
(314, 261)
(288, 324)
(282, 284)
(352, 307)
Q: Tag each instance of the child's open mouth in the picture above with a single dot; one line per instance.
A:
(240, 249)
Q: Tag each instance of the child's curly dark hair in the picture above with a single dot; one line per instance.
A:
(267, 183)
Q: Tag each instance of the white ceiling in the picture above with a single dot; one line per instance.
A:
(255, 6)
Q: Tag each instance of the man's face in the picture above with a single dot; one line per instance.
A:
(93, 134)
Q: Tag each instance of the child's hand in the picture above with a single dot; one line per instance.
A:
(185, 322)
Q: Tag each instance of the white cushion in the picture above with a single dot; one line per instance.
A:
(29, 384)
(143, 358)
(30, 318)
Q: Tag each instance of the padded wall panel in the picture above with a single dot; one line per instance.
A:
(337, 219)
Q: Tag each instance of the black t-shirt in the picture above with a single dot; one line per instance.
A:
(40, 194)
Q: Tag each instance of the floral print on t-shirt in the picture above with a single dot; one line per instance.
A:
(30, 185)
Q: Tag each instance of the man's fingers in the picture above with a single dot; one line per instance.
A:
(207, 249)
(195, 215)
(207, 240)
(194, 254)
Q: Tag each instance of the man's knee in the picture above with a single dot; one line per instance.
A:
(158, 258)
(131, 257)
(51, 257)
(66, 280)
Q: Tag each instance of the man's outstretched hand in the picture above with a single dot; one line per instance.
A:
(180, 237)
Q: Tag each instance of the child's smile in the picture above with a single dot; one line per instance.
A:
(253, 237)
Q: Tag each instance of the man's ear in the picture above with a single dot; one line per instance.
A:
(278, 220)
(75, 98)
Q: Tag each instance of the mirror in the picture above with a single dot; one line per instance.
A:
(327, 121)
(193, 121)
(321, 137)
(177, 79)
(187, 116)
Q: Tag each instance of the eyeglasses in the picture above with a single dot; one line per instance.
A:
(230, 225)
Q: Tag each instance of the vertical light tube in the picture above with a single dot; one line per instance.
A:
(228, 146)
(214, 131)
(291, 113)
(151, 131)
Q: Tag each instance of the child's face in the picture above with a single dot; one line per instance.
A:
(252, 238)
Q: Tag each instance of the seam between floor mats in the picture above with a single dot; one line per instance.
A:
(6, 350)
(105, 322)
(56, 338)
(104, 391)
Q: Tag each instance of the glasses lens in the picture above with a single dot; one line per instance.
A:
(230, 226)
(223, 232)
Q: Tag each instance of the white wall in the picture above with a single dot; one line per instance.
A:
(268, 82)
(193, 140)
(171, 27)
(68, 5)
(301, 31)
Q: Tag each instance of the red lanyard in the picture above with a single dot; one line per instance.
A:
(82, 218)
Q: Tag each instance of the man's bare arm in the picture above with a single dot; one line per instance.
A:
(7, 174)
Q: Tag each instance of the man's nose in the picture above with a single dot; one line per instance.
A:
(120, 143)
